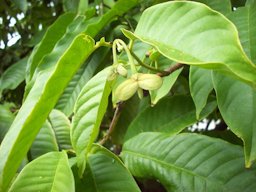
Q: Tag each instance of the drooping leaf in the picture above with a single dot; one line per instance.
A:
(47, 88)
(105, 172)
(90, 108)
(168, 82)
(176, 30)
(170, 115)
(51, 37)
(44, 142)
(236, 101)
(6, 119)
(200, 84)
(67, 100)
(61, 126)
(14, 75)
(245, 20)
(188, 162)
(49, 172)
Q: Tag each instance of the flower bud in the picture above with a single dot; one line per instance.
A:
(126, 90)
(120, 69)
(149, 81)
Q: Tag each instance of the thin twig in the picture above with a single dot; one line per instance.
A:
(113, 123)
(171, 69)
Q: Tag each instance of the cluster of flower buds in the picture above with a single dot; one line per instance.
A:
(136, 82)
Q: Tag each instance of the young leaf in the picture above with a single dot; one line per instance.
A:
(49, 172)
(51, 37)
(61, 126)
(170, 115)
(200, 84)
(244, 19)
(90, 108)
(188, 162)
(14, 75)
(47, 88)
(67, 100)
(44, 142)
(176, 30)
(105, 172)
(236, 101)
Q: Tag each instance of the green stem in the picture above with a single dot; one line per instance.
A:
(145, 65)
(130, 57)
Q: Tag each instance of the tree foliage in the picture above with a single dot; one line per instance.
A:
(128, 95)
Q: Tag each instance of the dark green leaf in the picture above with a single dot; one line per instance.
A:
(200, 84)
(188, 162)
(170, 115)
(105, 172)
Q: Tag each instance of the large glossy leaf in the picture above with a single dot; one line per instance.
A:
(245, 20)
(200, 84)
(67, 100)
(51, 37)
(61, 127)
(237, 104)
(47, 88)
(6, 118)
(176, 30)
(49, 172)
(14, 75)
(188, 162)
(170, 115)
(44, 142)
(105, 172)
(89, 111)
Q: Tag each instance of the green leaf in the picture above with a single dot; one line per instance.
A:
(43, 96)
(200, 84)
(188, 162)
(89, 111)
(53, 34)
(105, 172)
(61, 126)
(223, 6)
(44, 142)
(183, 25)
(49, 172)
(6, 119)
(168, 82)
(170, 115)
(14, 75)
(67, 100)
(244, 19)
(236, 101)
